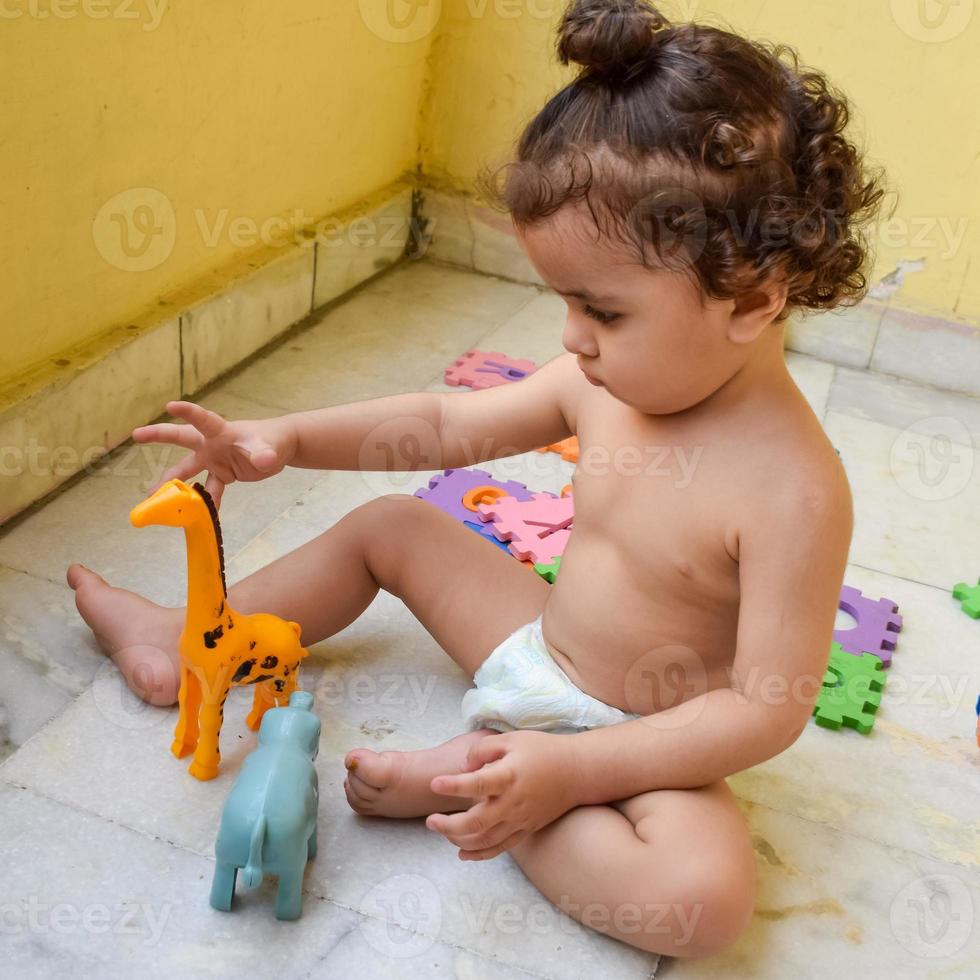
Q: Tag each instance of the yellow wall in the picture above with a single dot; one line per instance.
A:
(252, 109)
(913, 85)
(249, 106)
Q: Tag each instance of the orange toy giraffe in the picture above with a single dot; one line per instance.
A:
(219, 648)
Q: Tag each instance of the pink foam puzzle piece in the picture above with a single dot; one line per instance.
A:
(487, 369)
(536, 530)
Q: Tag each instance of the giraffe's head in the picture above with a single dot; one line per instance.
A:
(175, 504)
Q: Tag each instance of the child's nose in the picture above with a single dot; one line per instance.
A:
(577, 338)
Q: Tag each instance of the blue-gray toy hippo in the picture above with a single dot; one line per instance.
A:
(268, 825)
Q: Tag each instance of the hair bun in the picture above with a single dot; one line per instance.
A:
(609, 36)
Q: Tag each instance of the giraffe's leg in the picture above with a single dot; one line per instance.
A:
(290, 685)
(262, 701)
(189, 699)
(206, 755)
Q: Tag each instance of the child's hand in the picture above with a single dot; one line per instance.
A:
(229, 451)
(524, 780)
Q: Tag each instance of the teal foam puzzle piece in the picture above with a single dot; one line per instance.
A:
(851, 691)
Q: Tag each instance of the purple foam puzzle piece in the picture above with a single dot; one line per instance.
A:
(447, 489)
(878, 624)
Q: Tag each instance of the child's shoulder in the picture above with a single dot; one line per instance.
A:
(801, 490)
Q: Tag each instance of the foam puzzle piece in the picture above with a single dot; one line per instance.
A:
(487, 369)
(446, 491)
(567, 448)
(878, 625)
(481, 529)
(969, 596)
(851, 691)
(536, 530)
(549, 570)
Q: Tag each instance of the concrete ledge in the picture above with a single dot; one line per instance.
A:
(59, 417)
(940, 352)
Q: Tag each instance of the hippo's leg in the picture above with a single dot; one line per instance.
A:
(311, 845)
(289, 900)
(223, 886)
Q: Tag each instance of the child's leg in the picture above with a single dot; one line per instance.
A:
(671, 871)
(442, 570)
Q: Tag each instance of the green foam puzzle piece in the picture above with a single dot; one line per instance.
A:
(548, 570)
(970, 596)
(851, 691)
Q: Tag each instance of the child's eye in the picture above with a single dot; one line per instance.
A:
(600, 315)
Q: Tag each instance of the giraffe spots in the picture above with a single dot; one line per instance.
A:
(244, 669)
(251, 644)
(211, 637)
(231, 623)
(280, 684)
(270, 662)
(261, 677)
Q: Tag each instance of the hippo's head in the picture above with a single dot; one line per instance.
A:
(295, 724)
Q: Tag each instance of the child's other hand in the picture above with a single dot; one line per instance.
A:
(523, 781)
(229, 451)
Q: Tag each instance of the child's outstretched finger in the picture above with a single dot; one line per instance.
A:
(206, 422)
(176, 435)
(215, 486)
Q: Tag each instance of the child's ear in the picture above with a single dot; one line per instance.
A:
(755, 310)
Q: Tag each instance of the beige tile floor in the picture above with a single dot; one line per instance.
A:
(868, 848)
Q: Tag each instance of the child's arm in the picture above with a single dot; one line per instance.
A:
(439, 430)
(791, 566)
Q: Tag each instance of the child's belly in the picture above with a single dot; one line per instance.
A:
(635, 625)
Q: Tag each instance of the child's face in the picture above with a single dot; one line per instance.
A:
(660, 352)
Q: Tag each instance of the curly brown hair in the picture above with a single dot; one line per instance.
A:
(704, 146)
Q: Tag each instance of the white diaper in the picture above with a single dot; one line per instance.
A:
(520, 686)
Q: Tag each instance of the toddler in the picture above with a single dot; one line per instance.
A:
(684, 194)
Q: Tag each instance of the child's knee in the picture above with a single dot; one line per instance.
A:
(713, 910)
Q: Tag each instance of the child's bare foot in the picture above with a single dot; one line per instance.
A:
(396, 784)
(140, 636)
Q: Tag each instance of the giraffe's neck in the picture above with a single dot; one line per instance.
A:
(205, 593)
